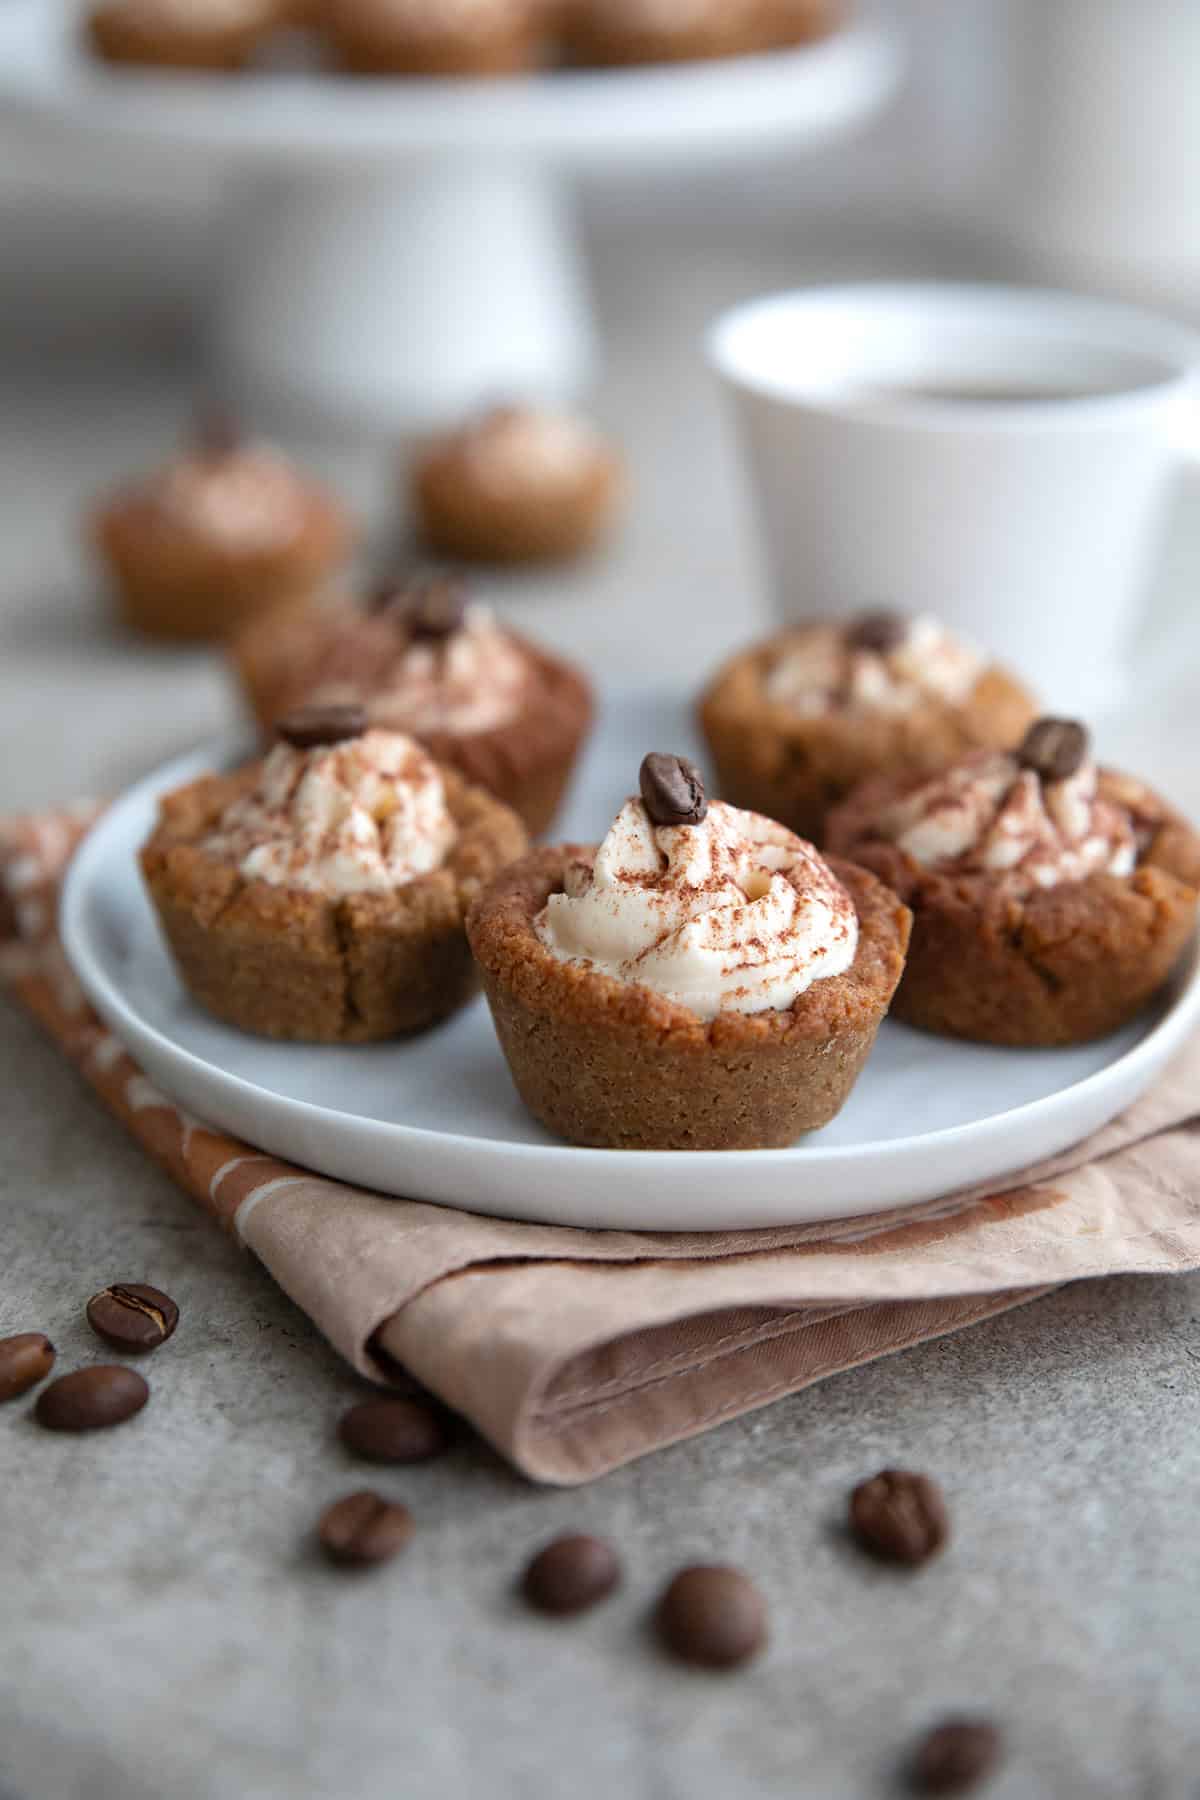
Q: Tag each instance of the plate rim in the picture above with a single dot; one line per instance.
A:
(1180, 1013)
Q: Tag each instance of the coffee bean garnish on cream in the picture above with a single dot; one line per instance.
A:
(1053, 748)
(713, 1616)
(215, 434)
(880, 631)
(25, 1360)
(437, 609)
(672, 790)
(364, 1528)
(426, 607)
(394, 1431)
(570, 1574)
(311, 727)
(955, 1757)
(900, 1517)
(92, 1399)
(132, 1316)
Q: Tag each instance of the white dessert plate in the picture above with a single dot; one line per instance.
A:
(437, 1118)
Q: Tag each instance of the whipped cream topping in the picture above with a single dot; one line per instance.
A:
(474, 680)
(514, 449)
(821, 671)
(734, 914)
(360, 817)
(988, 814)
(250, 499)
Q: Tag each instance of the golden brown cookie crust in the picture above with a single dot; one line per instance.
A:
(364, 40)
(459, 519)
(282, 963)
(176, 583)
(610, 1063)
(526, 762)
(119, 38)
(596, 37)
(789, 22)
(772, 761)
(1062, 965)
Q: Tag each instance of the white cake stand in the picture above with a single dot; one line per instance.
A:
(397, 249)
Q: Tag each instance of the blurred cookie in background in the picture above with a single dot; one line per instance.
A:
(516, 484)
(616, 33)
(227, 529)
(784, 23)
(434, 37)
(202, 34)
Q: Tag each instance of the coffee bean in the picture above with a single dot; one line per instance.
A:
(713, 1616)
(899, 1516)
(394, 1431)
(216, 434)
(879, 631)
(309, 727)
(437, 608)
(132, 1316)
(672, 790)
(24, 1361)
(386, 598)
(1053, 748)
(955, 1757)
(571, 1574)
(364, 1528)
(92, 1399)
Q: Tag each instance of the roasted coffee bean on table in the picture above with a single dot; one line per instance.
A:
(392, 1430)
(672, 790)
(131, 1316)
(712, 1615)
(364, 1528)
(899, 1516)
(955, 1757)
(570, 1574)
(25, 1360)
(92, 1399)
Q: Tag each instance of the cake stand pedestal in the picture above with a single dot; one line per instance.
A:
(388, 298)
(396, 251)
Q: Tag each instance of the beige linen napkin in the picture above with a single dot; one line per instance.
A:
(575, 1351)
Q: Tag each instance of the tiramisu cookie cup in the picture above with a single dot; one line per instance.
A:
(518, 484)
(785, 23)
(618, 33)
(422, 658)
(702, 980)
(798, 721)
(181, 34)
(321, 894)
(1050, 898)
(434, 37)
(227, 530)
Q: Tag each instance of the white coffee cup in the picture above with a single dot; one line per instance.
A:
(999, 457)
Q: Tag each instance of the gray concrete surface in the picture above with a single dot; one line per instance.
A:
(165, 1630)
